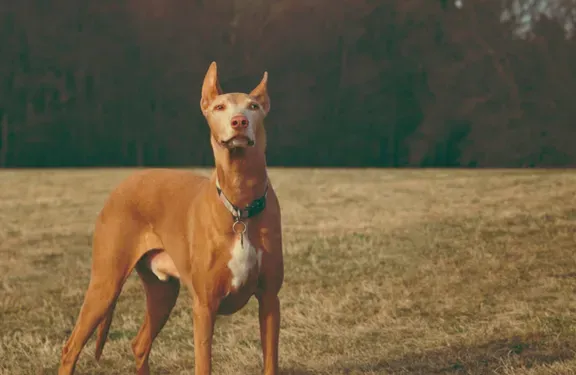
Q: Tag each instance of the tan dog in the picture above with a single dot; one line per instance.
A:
(175, 226)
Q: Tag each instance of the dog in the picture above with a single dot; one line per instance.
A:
(220, 236)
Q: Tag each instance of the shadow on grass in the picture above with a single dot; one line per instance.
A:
(486, 358)
(482, 359)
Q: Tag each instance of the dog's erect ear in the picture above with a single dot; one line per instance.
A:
(260, 93)
(210, 88)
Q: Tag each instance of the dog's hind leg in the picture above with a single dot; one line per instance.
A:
(114, 255)
(161, 297)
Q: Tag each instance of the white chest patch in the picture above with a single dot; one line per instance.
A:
(244, 258)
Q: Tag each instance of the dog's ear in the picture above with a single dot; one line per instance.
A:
(260, 93)
(210, 88)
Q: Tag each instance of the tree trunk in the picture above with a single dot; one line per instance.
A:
(140, 153)
(392, 152)
(4, 142)
(343, 52)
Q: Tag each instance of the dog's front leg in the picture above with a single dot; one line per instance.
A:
(269, 316)
(204, 318)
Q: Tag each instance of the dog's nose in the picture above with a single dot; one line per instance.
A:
(239, 121)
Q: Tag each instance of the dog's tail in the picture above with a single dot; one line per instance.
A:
(103, 329)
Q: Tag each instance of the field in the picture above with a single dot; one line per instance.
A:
(387, 272)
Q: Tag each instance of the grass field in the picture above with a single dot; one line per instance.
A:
(387, 272)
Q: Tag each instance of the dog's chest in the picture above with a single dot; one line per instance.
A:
(244, 259)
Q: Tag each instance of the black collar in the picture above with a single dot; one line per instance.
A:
(252, 209)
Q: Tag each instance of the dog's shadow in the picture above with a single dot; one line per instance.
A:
(484, 358)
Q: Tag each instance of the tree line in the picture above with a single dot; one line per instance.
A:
(353, 83)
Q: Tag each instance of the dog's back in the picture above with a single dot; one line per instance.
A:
(148, 194)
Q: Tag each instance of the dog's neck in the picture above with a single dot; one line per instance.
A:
(241, 173)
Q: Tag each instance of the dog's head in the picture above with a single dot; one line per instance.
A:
(236, 120)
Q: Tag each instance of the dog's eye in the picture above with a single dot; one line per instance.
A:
(254, 106)
(219, 107)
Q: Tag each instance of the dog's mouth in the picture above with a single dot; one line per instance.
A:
(238, 141)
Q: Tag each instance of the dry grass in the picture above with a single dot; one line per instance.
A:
(387, 272)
